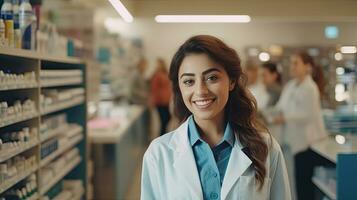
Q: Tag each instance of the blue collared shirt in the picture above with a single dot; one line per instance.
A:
(211, 163)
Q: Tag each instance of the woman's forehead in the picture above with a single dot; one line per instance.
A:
(198, 63)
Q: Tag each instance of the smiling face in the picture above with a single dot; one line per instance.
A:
(204, 87)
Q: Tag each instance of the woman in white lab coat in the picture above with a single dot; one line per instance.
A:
(219, 151)
(302, 122)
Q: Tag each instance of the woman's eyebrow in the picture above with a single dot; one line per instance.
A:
(211, 70)
(187, 74)
(203, 73)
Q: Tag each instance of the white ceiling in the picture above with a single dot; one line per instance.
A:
(305, 10)
(272, 10)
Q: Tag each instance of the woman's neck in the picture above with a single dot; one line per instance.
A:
(211, 131)
(301, 78)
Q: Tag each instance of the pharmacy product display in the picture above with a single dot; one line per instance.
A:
(8, 18)
(343, 120)
(10, 80)
(60, 77)
(42, 127)
(12, 112)
(20, 29)
(27, 189)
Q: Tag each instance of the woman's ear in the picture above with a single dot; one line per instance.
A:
(232, 84)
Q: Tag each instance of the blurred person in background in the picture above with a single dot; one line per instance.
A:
(139, 90)
(255, 86)
(271, 78)
(161, 93)
(302, 123)
(272, 81)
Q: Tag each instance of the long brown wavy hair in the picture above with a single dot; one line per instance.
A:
(241, 108)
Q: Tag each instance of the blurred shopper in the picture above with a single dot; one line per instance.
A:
(139, 90)
(272, 81)
(220, 151)
(161, 93)
(302, 122)
(255, 86)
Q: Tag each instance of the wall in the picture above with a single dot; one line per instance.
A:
(164, 39)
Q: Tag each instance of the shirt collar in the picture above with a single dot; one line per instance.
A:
(194, 135)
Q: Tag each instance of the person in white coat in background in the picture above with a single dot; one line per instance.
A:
(302, 122)
(219, 151)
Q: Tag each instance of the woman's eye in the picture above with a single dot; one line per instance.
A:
(188, 82)
(212, 78)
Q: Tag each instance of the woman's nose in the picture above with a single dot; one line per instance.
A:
(201, 88)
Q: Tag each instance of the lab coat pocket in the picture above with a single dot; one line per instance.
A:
(249, 188)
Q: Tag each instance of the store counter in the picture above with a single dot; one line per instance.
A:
(338, 181)
(118, 143)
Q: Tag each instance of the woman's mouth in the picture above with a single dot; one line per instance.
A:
(203, 103)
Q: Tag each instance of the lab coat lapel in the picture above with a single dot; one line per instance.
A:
(237, 165)
(184, 161)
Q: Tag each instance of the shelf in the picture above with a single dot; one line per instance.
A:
(60, 175)
(21, 53)
(27, 116)
(62, 82)
(73, 128)
(60, 73)
(19, 87)
(8, 184)
(323, 187)
(79, 195)
(63, 105)
(61, 150)
(35, 196)
(14, 152)
(52, 133)
(329, 148)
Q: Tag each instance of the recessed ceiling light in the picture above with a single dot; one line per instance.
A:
(264, 57)
(338, 56)
(202, 18)
(348, 49)
(123, 12)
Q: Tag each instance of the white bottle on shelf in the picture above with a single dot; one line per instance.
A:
(2, 33)
(7, 16)
(25, 19)
(17, 31)
(3, 172)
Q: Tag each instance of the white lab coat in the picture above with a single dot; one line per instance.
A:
(169, 172)
(301, 107)
(260, 94)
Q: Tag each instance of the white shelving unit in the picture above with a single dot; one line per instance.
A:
(11, 182)
(18, 87)
(69, 167)
(63, 105)
(72, 129)
(61, 150)
(22, 61)
(344, 156)
(16, 151)
(26, 116)
(62, 82)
